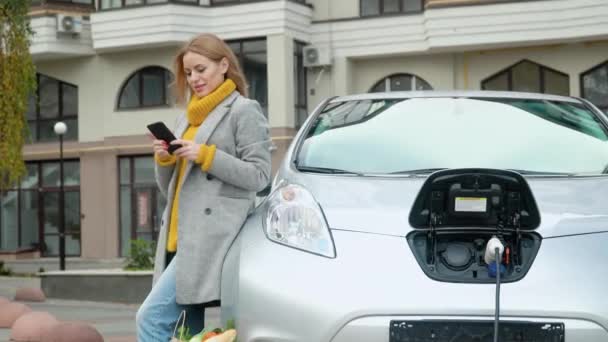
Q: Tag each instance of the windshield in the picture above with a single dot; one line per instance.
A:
(399, 135)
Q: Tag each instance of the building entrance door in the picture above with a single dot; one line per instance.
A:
(50, 220)
(147, 210)
(141, 203)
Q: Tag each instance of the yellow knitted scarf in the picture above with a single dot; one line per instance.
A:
(199, 108)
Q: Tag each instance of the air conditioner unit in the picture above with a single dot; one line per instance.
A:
(316, 56)
(71, 24)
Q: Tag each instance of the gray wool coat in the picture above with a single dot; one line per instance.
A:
(214, 205)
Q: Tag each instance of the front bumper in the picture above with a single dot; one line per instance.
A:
(276, 293)
(375, 328)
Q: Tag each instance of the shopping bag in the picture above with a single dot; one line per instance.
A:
(180, 332)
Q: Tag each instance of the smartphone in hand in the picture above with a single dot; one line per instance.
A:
(161, 132)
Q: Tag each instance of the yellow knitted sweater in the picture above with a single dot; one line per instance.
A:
(197, 112)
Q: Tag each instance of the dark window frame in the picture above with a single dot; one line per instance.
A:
(582, 84)
(166, 98)
(383, 80)
(382, 13)
(38, 120)
(40, 189)
(509, 71)
(132, 186)
(298, 55)
(240, 56)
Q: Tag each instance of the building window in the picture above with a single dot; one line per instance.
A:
(110, 4)
(29, 211)
(299, 77)
(382, 7)
(54, 101)
(527, 76)
(594, 86)
(400, 82)
(147, 87)
(253, 59)
(222, 2)
(141, 204)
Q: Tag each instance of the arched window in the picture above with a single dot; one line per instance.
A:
(594, 86)
(528, 76)
(400, 82)
(147, 87)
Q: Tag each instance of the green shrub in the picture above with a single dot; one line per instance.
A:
(141, 255)
(5, 271)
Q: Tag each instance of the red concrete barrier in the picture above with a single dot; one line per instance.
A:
(31, 326)
(10, 312)
(72, 332)
(30, 294)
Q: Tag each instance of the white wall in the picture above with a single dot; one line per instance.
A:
(437, 70)
(352, 76)
(281, 110)
(320, 86)
(47, 43)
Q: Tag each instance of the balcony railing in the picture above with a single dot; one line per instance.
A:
(226, 2)
(113, 4)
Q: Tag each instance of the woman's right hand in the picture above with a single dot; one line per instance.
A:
(160, 147)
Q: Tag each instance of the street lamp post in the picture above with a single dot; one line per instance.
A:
(60, 129)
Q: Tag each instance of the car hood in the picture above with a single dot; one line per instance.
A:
(567, 206)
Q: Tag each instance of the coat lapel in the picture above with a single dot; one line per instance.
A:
(208, 126)
(181, 127)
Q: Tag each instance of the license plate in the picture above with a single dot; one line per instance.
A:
(474, 331)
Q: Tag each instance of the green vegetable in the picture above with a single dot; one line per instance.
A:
(198, 337)
(183, 333)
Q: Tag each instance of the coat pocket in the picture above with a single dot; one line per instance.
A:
(231, 191)
(219, 219)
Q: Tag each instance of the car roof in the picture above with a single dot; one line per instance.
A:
(471, 93)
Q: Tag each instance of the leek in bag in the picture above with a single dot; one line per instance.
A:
(181, 331)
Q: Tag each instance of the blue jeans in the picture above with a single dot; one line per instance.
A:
(158, 314)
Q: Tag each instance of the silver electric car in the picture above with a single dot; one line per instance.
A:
(431, 216)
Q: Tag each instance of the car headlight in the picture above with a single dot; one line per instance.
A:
(295, 219)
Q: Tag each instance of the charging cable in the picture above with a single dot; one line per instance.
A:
(493, 254)
(497, 306)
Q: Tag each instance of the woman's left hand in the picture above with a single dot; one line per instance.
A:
(189, 149)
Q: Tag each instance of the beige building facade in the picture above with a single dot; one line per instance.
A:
(104, 67)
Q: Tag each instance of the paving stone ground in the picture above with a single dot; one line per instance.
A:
(115, 321)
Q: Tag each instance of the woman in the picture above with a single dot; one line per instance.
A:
(210, 184)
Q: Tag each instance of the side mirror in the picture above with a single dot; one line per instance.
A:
(265, 192)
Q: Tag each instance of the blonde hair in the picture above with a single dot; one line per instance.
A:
(214, 48)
